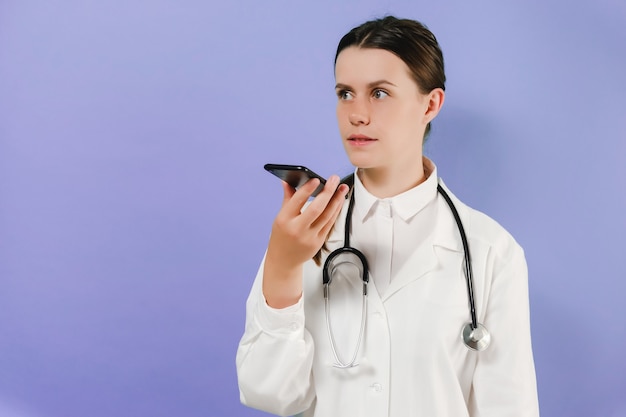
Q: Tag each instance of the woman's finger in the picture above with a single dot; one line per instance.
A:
(321, 201)
(299, 198)
(327, 219)
(288, 192)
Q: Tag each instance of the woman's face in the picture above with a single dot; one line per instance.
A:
(382, 115)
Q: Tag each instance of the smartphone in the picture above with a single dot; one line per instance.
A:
(295, 175)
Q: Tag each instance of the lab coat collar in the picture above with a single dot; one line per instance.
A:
(446, 233)
(406, 205)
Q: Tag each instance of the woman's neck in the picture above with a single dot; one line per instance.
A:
(391, 181)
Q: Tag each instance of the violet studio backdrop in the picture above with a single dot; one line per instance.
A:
(134, 209)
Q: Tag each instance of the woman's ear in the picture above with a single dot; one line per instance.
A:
(435, 100)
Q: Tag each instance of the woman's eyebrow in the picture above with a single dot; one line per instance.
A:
(380, 82)
(340, 86)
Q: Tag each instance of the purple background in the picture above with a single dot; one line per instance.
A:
(134, 209)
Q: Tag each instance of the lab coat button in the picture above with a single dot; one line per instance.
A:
(377, 387)
(293, 326)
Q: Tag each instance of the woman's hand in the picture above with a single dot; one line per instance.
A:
(297, 236)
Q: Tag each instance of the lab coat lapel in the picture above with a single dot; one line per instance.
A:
(427, 258)
(423, 261)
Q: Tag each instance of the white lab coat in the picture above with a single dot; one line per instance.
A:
(412, 361)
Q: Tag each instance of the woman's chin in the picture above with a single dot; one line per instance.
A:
(359, 161)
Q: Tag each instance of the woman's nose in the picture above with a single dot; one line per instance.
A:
(359, 115)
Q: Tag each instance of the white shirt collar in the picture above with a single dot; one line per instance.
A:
(406, 204)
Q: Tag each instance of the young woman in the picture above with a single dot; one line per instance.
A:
(401, 349)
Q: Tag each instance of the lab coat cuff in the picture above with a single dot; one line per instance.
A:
(281, 320)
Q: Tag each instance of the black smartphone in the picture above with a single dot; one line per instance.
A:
(295, 175)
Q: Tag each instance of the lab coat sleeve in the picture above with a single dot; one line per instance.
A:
(275, 357)
(504, 383)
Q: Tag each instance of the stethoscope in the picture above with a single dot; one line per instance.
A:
(474, 335)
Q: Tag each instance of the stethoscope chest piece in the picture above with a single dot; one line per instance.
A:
(477, 339)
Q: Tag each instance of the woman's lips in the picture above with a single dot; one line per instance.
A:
(360, 140)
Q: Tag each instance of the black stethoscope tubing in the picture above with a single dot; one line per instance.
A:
(469, 276)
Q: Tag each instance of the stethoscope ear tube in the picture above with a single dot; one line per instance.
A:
(328, 270)
(327, 276)
(344, 250)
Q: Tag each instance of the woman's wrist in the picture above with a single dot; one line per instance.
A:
(282, 286)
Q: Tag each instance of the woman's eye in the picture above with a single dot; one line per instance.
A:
(344, 95)
(378, 94)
